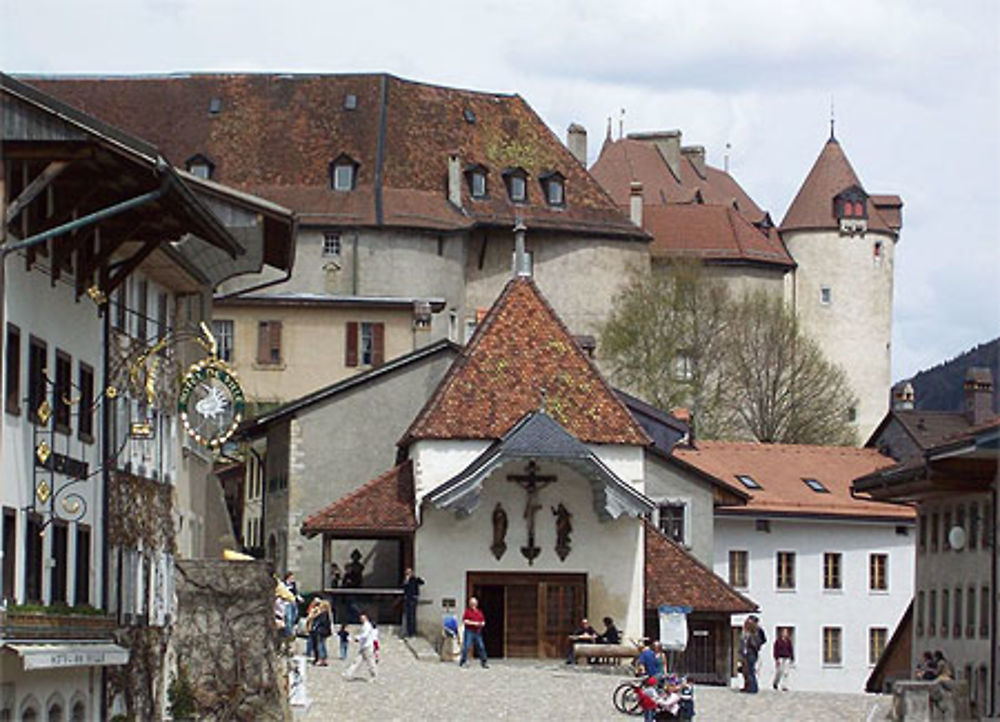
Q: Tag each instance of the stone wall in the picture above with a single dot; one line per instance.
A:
(224, 642)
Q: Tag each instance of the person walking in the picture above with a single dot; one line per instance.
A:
(474, 621)
(366, 650)
(411, 591)
(784, 656)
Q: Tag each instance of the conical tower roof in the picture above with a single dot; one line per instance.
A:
(522, 357)
(812, 208)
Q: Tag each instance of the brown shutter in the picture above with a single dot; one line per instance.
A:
(378, 344)
(275, 342)
(352, 344)
(263, 342)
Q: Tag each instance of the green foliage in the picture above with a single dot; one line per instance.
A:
(180, 695)
(676, 338)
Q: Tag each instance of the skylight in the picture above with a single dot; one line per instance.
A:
(748, 481)
(816, 486)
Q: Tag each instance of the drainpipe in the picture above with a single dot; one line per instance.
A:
(106, 445)
(354, 265)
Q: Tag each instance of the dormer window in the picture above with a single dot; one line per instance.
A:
(475, 176)
(517, 184)
(343, 173)
(200, 165)
(554, 185)
(850, 207)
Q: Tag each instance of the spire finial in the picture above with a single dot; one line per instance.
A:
(832, 120)
(608, 137)
(542, 394)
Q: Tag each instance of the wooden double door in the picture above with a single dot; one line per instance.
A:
(529, 615)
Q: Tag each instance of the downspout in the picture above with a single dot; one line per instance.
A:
(263, 496)
(106, 445)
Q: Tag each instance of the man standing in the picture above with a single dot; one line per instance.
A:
(474, 622)
(366, 650)
(783, 658)
(650, 660)
(411, 591)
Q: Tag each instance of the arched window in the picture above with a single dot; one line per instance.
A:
(79, 712)
(848, 209)
(859, 209)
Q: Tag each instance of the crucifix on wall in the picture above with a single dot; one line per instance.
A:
(532, 482)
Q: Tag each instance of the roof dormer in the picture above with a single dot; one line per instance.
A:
(343, 173)
(476, 175)
(200, 165)
(516, 180)
(554, 187)
(850, 208)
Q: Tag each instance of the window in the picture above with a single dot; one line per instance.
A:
(852, 414)
(831, 570)
(831, 645)
(932, 613)
(876, 643)
(9, 554)
(672, 520)
(269, 343)
(12, 382)
(200, 169)
(973, 525)
(142, 308)
(223, 331)
(945, 530)
(683, 367)
(554, 185)
(331, 244)
(738, 568)
(365, 344)
(922, 535)
(37, 367)
(945, 611)
(970, 612)
(62, 391)
(85, 415)
(934, 531)
(517, 185)
(60, 558)
(343, 174)
(987, 521)
(33, 559)
(878, 567)
(785, 577)
(816, 486)
(825, 295)
(877, 253)
(161, 314)
(748, 481)
(475, 176)
(956, 625)
(920, 613)
(82, 591)
(984, 612)
(763, 525)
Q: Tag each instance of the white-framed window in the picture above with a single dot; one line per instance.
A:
(785, 570)
(343, 177)
(673, 519)
(331, 244)
(825, 295)
(877, 637)
(878, 572)
(832, 646)
(739, 568)
(832, 571)
(478, 183)
(222, 329)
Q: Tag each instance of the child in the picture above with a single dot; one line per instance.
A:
(375, 641)
(648, 699)
(344, 637)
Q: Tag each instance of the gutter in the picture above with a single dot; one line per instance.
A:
(257, 287)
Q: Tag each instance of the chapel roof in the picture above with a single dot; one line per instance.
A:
(520, 358)
(276, 135)
(832, 173)
(674, 577)
(781, 471)
(380, 506)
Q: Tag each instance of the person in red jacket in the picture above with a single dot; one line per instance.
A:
(649, 700)
(474, 621)
(784, 655)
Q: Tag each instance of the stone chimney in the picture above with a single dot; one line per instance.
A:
(668, 143)
(522, 268)
(978, 395)
(696, 154)
(903, 396)
(635, 203)
(455, 180)
(576, 141)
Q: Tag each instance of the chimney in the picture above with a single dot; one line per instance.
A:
(521, 267)
(635, 203)
(668, 143)
(455, 180)
(903, 397)
(576, 141)
(696, 154)
(978, 395)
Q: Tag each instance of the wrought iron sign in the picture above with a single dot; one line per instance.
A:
(210, 402)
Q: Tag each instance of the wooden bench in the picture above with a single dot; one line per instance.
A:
(605, 653)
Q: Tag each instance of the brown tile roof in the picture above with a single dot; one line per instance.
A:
(382, 505)
(676, 578)
(276, 135)
(521, 349)
(711, 233)
(832, 173)
(626, 160)
(930, 428)
(780, 470)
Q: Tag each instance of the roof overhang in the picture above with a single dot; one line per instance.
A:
(47, 655)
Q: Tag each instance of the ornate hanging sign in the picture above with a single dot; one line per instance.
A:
(210, 402)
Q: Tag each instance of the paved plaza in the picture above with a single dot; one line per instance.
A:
(408, 689)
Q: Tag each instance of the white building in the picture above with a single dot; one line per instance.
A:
(835, 570)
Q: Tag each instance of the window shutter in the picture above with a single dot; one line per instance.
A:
(263, 342)
(352, 344)
(378, 344)
(275, 355)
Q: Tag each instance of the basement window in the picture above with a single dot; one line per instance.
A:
(748, 481)
(816, 486)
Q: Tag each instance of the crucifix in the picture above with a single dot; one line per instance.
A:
(532, 482)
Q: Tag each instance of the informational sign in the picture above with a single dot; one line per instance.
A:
(298, 695)
(210, 402)
(673, 627)
(46, 656)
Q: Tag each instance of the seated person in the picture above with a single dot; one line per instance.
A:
(585, 634)
(943, 668)
(926, 668)
(611, 634)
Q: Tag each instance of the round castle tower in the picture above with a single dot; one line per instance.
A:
(843, 240)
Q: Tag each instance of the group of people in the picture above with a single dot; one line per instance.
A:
(586, 634)
(752, 641)
(934, 666)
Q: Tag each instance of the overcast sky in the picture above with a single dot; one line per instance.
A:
(916, 88)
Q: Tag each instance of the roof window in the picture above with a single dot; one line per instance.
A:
(475, 176)
(215, 106)
(350, 101)
(816, 486)
(343, 173)
(517, 184)
(554, 185)
(469, 116)
(748, 481)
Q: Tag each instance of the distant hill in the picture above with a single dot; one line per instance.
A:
(940, 388)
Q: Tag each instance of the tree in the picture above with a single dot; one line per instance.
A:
(675, 337)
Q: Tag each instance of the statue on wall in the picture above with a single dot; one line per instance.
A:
(564, 527)
(353, 570)
(499, 531)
